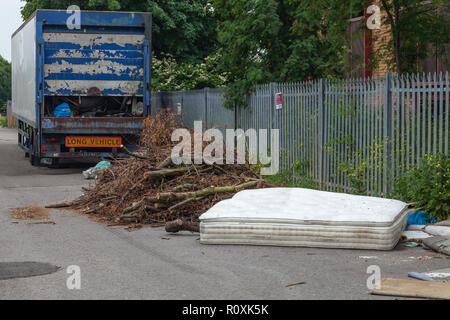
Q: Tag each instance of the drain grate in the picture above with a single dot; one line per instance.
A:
(12, 270)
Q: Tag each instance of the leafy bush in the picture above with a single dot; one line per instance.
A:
(170, 75)
(355, 177)
(3, 122)
(5, 83)
(427, 186)
(294, 178)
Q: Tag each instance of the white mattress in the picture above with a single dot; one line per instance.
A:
(304, 217)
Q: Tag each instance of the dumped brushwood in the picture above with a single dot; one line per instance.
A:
(149, 188)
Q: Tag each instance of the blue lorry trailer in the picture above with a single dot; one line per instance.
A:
(81, 91)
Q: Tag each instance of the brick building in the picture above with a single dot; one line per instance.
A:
(367, 57)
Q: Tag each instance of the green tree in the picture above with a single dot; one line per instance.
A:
(5, 84)
(169, 75)
(287, 40)
(185, 29)
(417, 28)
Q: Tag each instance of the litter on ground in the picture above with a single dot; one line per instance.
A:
(439, 244)
(413, 289)
(419, 276)
(408, 235)
(439, 275)
(92, 173)
(443, 231)
(420, 218)
(30, 213)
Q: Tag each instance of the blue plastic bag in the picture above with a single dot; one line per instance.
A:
(63, 110)
(421, 218)
(103, 164)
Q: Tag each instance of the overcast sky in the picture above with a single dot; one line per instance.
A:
(10, 21)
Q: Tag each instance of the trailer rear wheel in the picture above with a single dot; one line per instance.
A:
(35, 161)
(55, 164)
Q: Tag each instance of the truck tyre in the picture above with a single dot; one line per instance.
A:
(35, 161)
(55, 163)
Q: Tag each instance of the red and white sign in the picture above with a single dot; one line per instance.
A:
(278, 101)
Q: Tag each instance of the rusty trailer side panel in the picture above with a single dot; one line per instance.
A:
(75, 62)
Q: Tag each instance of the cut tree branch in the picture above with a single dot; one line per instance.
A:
(179, 196)
(161, 200)
(62, 204)
(180, 225)
(179, 204)
(165, 172)
(166, 162)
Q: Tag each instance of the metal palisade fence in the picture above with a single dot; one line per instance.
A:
(345, 135)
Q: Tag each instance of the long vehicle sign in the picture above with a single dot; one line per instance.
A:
(110, 142)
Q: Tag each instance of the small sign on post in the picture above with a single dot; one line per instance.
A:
(278, 101)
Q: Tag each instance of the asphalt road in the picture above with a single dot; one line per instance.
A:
(150, 264)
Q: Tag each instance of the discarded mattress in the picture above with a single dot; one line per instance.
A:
(304, 217)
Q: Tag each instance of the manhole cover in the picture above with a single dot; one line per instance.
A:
(11, 270)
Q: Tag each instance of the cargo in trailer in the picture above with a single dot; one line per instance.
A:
(80, 91)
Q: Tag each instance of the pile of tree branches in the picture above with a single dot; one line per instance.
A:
(149, 188)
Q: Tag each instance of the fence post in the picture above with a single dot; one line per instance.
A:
(236, 116)
(206, 90)
(273, 87)
(388, 133)
(321, 138)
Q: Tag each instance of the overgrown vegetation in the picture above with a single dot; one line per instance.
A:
(169, 75)
(3, 121)
(296, 177)
(5, 84)
(370, 159)
(428, 186)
